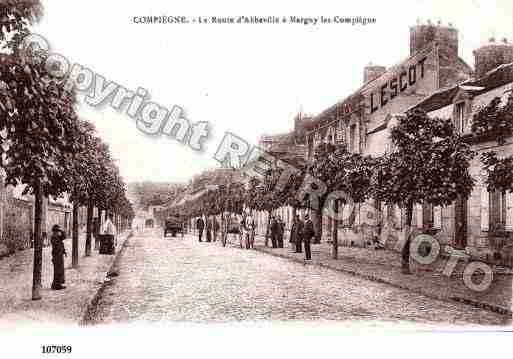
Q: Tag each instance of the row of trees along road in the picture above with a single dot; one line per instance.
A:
(428, 163)
(43, 144)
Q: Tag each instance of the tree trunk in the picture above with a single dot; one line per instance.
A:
(38, 244)
(74, 237)
(405, 262)
(334, 253)
(89, 228)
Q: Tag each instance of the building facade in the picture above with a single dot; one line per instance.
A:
(483, 223)
(435, 79)
(362, 120)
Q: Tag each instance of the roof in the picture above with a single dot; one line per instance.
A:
(356, 97)
(279, 137)
(460, 70)
(500, 76)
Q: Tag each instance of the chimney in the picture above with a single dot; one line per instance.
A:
(421, 35)
(371, 72)
(491, 55)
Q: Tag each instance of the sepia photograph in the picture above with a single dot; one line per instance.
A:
(222, 178)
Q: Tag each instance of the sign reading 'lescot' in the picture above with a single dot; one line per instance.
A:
(399, 83)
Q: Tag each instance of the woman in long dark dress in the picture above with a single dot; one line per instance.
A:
(58, 253)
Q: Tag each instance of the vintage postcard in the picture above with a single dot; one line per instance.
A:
(280, 178)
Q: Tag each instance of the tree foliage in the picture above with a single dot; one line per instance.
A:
(499, 172)
(38, 124)
(494, 120)
(15, 18)
(430, 163)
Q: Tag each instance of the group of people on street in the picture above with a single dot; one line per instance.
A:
(301, 232)
(277, 232)
(211, 227)
(245, 229)
(59, 250)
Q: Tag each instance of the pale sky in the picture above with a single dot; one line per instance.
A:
(249, 79)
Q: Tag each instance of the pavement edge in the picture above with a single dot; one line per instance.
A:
(88, 314)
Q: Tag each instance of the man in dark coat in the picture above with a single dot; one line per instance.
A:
(58, 253)
(275, 228)
(308, 234)
(297, 229)
(200, 224)
(281, 232)
(209, 230)
(216, 228)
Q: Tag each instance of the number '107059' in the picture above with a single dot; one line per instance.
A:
(56, 349)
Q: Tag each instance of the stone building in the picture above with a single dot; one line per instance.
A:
(474, 224)
(362, 119)
(359, 119)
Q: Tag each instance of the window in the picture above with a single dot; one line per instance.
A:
(498, 209)
(460, 117)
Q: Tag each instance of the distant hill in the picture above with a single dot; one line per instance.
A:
(144, 194)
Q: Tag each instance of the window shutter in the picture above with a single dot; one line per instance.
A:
(418, 211)
(509, 211)
(485, 210)
(437, 217)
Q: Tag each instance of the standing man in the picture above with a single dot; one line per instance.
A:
(308, 234)
(298, 233)
(274, 232)
(58, 253)
(216, 228)
(281, 231)
(200, 224)
(209, 229)
(250, 224)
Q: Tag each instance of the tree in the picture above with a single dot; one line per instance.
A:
(354, 179)
(39, 125)
(81, 174)
(429, 164)
(263, 194)
(327, 161)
